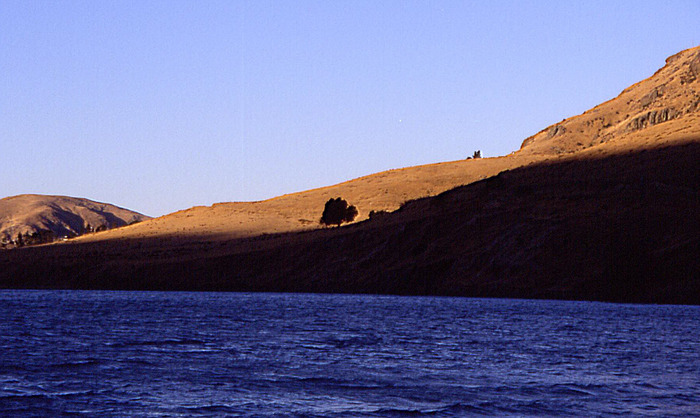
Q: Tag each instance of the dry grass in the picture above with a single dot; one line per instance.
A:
(606, 129)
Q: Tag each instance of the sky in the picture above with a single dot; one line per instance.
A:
(159, 106)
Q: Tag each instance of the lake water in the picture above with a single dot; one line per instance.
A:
(90, 353)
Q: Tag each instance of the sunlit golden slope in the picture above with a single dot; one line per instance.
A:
(660, 110)
(301, 211)
(672, 94)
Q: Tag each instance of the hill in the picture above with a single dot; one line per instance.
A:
(33, 219)
(600, 206)
(656, 111)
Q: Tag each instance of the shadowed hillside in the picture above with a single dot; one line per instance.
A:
(619, 228)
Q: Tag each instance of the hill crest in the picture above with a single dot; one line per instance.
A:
(670, 93)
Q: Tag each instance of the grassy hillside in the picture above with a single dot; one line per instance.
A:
(589, 210)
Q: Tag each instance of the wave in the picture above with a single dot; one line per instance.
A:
(209, 410)
(453, 409)
(354, 341)
(76, 364)
(48, 395)
(342, 383)
(156, 343)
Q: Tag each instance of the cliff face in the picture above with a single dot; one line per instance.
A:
(34, 219)
(672, 93)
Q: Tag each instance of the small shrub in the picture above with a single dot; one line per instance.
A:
(375, 214)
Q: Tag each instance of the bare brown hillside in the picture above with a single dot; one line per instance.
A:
(302, 211)
(658, 111)
(595, 211)
(671, 94)
(43, 218)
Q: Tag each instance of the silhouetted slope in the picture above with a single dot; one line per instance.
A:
(619, 228)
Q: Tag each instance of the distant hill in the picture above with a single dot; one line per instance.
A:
(601, 206)
(33, 219)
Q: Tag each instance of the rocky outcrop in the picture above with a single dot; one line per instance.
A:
(693, 72)
(555, 130)
(649, 98)
(695, 65)
(652, 118)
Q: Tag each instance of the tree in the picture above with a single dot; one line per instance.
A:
(337, 211)
(477, 154)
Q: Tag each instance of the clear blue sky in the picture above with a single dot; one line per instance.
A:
(158, 106)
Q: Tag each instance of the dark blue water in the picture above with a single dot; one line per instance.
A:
(216, 354)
